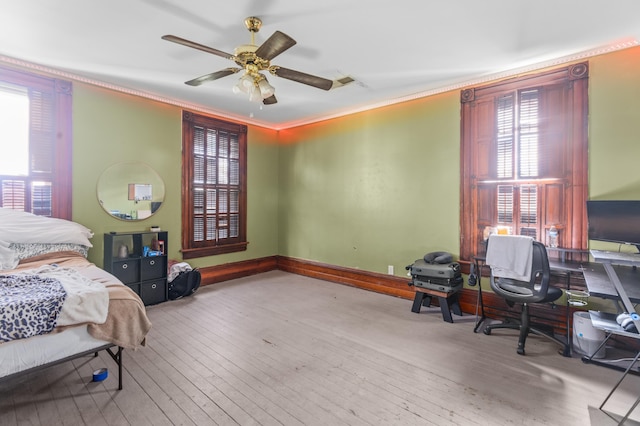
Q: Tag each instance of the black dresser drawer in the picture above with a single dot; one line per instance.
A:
(127, 271)
(135, 288)
(152, 292)
(153, 267)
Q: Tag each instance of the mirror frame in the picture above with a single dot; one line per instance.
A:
(129, 191)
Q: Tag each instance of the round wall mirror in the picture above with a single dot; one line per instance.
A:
(130, 191)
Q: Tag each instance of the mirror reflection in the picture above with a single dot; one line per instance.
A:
(130, 191)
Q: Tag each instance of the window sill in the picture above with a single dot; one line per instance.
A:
(193, 253)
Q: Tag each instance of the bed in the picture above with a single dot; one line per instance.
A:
(55, 305)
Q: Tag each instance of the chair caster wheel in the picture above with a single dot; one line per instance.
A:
(520, 351)
(487, 331)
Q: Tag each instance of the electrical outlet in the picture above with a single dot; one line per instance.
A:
(390, 269)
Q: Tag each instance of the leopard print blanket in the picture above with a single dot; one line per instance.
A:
(29, 305)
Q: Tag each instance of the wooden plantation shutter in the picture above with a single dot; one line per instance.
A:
(524, 158)
(505, 136)
(529, 207)
(46, 188)
(214, 186)
(14, 193)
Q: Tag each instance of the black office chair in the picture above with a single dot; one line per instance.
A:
(536, 290)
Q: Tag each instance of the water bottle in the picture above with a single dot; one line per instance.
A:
(553, 237)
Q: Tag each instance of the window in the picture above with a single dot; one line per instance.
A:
(214, 196)
(35, 144)
(524, 158)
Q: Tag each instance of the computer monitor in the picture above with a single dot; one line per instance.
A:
(615, 221)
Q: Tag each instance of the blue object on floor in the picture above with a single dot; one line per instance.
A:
(100, 375)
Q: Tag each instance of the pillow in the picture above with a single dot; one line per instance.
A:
(27, 250)
(22, 227)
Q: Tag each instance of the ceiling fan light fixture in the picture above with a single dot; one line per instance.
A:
(244, 84)
(247, 82)
(254, 94)
(266, 90)
(253, 60)
(255, 85)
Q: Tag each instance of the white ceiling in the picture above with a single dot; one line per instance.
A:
(395, 50)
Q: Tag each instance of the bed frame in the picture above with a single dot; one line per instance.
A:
(116, 355)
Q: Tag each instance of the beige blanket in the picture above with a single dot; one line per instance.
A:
(127, 323)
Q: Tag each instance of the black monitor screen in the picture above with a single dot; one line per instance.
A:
(616, 221)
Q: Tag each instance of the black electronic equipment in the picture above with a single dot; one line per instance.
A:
(615, 221)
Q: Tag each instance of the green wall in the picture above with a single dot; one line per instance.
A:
(374, 189)
(365, 191)
(614, 129)
(111, 127)
(614, 145)
(381, 187)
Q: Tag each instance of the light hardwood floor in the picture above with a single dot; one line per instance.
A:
(282, 349)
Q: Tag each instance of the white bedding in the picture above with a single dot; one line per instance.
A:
(121, 321)
(21, 227)
(8, 257)
(127, 323)
(86, 301)
(23, 354)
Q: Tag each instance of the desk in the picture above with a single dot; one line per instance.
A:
(563, 254)
(618, 278)
(600, 285)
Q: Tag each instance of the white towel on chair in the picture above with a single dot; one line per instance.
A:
(510, 256)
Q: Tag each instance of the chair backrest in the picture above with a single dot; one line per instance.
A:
(532, 291)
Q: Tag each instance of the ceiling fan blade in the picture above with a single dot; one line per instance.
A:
(300, 77)
(270, 100)
(275, 45)
(198, 46)
(212, 76)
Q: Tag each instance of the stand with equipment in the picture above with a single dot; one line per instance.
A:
(619, 282)
(436, 275)
(448, 301)
(478, 264)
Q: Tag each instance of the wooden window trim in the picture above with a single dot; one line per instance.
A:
(190, 249)
(575, 192)
(61, 178)
(212, 251)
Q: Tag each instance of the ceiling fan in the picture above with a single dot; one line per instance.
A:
(252, 60)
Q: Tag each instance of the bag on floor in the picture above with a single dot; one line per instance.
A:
(184, 284)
